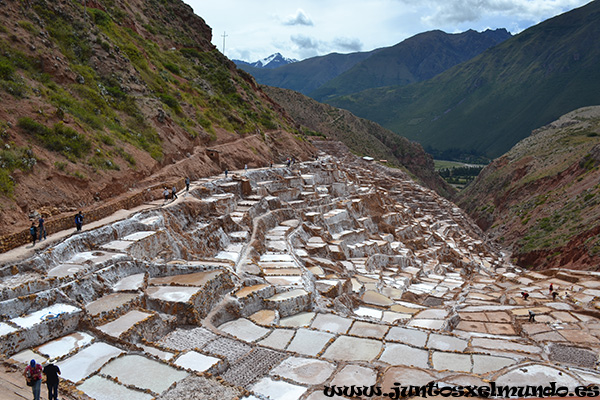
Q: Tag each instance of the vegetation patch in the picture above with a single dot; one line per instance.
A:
(59, 138)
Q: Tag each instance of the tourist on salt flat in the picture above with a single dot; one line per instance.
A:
(33, 232)
(78, 221)
(41, 229)
(33, 375)
(52, 371)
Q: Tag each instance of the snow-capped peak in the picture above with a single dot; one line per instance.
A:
(273, 61)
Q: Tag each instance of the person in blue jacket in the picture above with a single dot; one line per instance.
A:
(79, 221)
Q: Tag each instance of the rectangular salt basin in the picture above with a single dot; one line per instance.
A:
(118, 245)
(100, 388)
(109, 302)
(96, 257)
(5, 329)
(276, 257)
(64, 345)
(117, 327)
(228, 255)
(134, 237)
(196, 361)
(63, 270)
(27, 355)
(45, 314)
(88, 360)
(181, 294)
(143, 373)
(132, 282)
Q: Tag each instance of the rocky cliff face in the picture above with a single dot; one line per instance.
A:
(102, 98)
(542, 198)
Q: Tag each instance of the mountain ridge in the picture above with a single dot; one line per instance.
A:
(505, 92)
(273, 61)
(542, 199)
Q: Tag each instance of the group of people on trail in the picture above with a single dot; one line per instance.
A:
(172, 193)
(33, 377)
(38, 232)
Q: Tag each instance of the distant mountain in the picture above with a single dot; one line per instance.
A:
(273, 61)
(361, 136)
(542, 199)
(307, 75)
(487, 104)
(416, 59)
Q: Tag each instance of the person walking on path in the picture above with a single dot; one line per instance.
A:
(187, 184)
(174, 193)
(52, 371)
(33, 233)
(166, 194)
(226, 172)
(78, 221)
(33, 375)
(41, 229)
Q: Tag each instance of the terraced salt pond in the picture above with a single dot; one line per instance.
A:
(328, 274)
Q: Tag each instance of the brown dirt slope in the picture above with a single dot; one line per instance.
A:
(363, 137)
(542, 198)
(119, 96)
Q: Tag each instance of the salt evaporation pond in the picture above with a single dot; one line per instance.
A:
(143, 373)
(66, 344)
(86, 361)
(100, 388)
(45, 314)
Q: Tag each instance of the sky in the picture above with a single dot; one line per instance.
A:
(301, 29)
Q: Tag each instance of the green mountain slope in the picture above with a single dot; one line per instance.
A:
(487, 104)
(416, 59)
(307, 75)
(542, 198)
(101, 98)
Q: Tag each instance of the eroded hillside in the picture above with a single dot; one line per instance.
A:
(542, 198)
(363, 137)
(100, 96)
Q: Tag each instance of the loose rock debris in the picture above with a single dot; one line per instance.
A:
(324, 274)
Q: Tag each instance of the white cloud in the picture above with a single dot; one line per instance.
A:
(305, 42)
(258, 29)
(444, 13)
(299, 19)
(347, 44)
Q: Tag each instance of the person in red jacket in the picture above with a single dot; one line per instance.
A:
(33, 375)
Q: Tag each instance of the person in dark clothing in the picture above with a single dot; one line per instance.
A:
(174, 193)
(531, 316)
(554, 294)
(187, 184)
(226, 172)
(525, 295)
(41, 229)
(52, 371)
(33, 232)
(79, 221)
